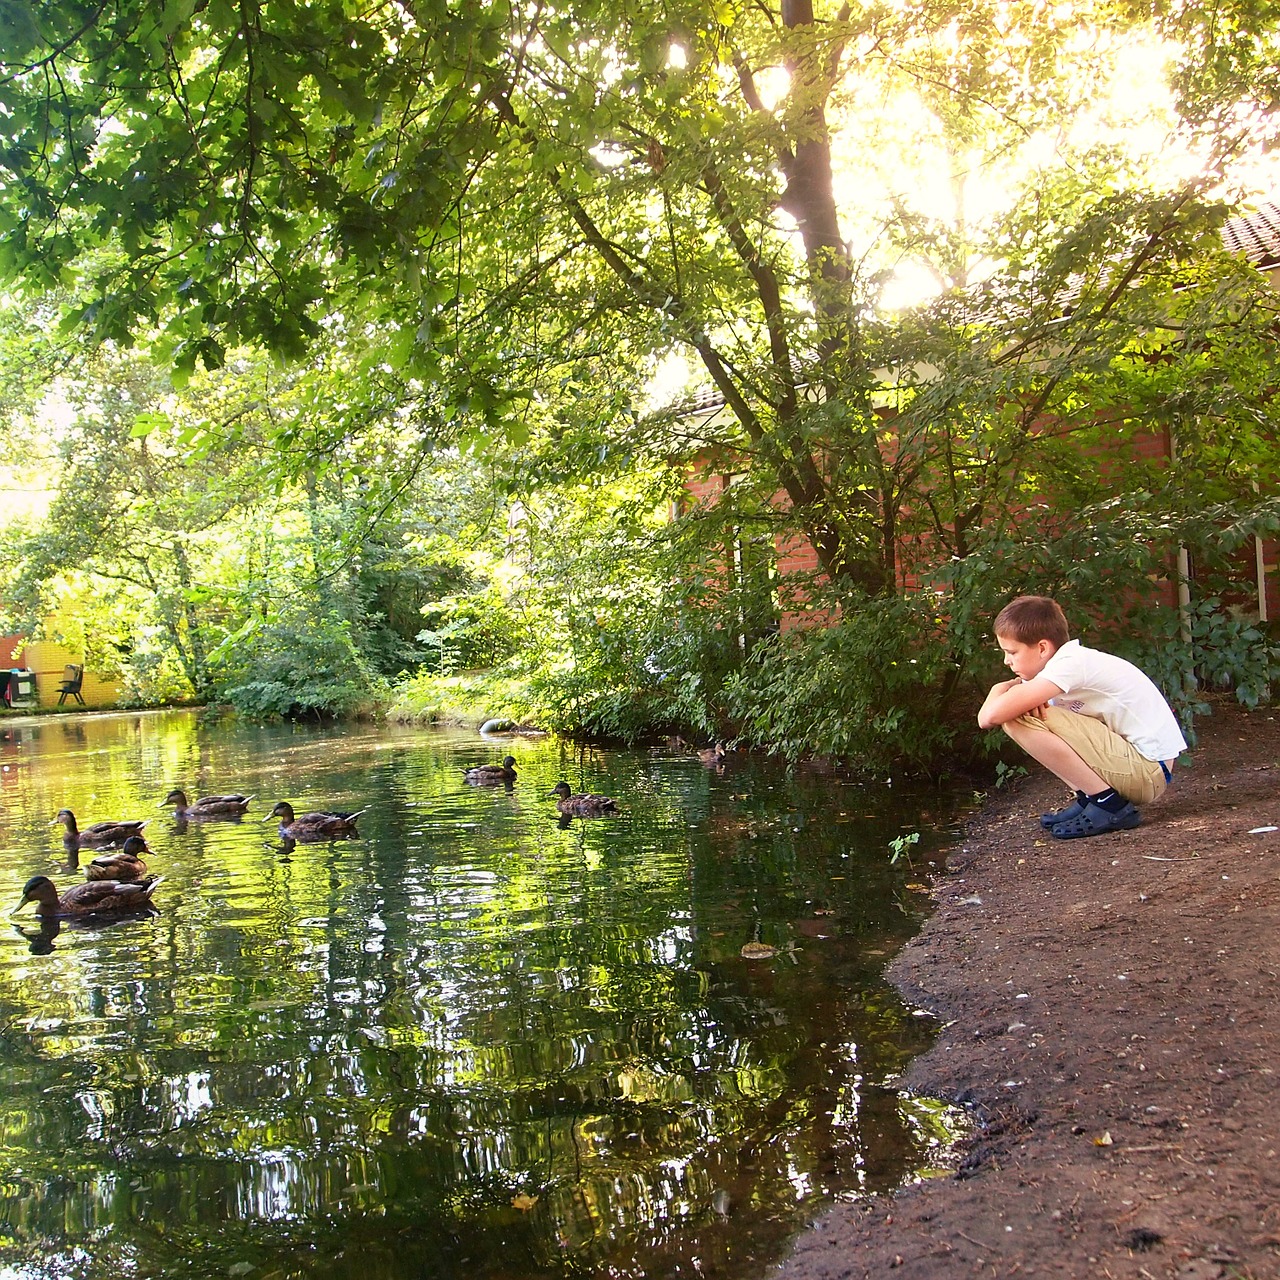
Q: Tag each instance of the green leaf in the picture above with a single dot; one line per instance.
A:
(146, 423)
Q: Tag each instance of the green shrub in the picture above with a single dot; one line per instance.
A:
(873, 688)
(1202, 649)
(466, 632)
(306, 665)
(469, 698)
(151, 676)
(1112, 570)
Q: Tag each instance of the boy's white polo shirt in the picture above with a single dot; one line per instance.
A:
(1119, 694)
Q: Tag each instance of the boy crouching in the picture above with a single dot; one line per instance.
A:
(1092, 719)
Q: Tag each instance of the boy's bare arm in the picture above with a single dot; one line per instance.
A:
(1013, 698)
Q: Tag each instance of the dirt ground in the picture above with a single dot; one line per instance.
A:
(1110, 1009)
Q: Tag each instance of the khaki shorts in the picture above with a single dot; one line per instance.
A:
(1115, 760)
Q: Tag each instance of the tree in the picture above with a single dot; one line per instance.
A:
(500, 203)
(183, 537)
(131, 510)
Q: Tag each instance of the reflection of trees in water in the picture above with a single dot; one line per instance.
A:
(381, 1044)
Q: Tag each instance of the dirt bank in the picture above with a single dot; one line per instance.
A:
(1111, 1008)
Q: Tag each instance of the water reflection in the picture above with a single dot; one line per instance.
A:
(476, 1040)
(40, 939)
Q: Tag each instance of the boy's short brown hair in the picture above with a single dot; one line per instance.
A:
(1029, 619)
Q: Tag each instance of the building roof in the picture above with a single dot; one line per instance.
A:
(707, 399)
(1256, 235)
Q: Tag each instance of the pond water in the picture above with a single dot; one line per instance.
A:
(477, 1040)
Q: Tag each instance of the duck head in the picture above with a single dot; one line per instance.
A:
(38, 889)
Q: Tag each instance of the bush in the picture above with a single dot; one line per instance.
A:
(467, 699)
(1204, 649)
(307, 665)
(150, 676)
(1111, 569)
(873, 687)
(465, 632)
(574, 701)
(642, 667)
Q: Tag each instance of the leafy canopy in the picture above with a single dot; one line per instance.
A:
(476, 227)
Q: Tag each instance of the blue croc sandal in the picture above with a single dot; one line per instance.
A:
(1050, 820)
(1096, 821)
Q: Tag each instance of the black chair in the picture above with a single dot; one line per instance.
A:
(72, 679)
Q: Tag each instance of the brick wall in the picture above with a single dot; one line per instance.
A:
(795, 555)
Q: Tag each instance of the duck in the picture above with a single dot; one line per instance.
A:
(94, 897)
(714, 754)
(582, 806)
(313, 826)
(232, 806)
(125, 864)
(504, 772)
(100, 834)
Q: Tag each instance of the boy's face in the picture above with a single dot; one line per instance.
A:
(1026, 661)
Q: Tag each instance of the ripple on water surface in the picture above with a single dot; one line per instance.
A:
(477, 1040)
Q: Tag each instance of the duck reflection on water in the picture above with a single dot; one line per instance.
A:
(40, 940)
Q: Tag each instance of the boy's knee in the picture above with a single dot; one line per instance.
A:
(1020, 728)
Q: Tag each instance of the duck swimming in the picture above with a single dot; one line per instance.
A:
(94, 897)
(99, 834)
(582, 806)
(313, 826)
(482, 773)
(231, 806)
(125, 865)
(714, 754)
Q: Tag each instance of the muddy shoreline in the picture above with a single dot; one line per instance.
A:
(1110, 1018)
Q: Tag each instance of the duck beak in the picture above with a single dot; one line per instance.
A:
(19, 907)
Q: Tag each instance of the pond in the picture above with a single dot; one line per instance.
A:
(477, 1040)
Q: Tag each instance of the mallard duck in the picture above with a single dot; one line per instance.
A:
(124, 864)
(582, 806)
(100, 834)
(503, 772)
(94, 897)
(232, 806)
(713, 754)
(313, 826)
